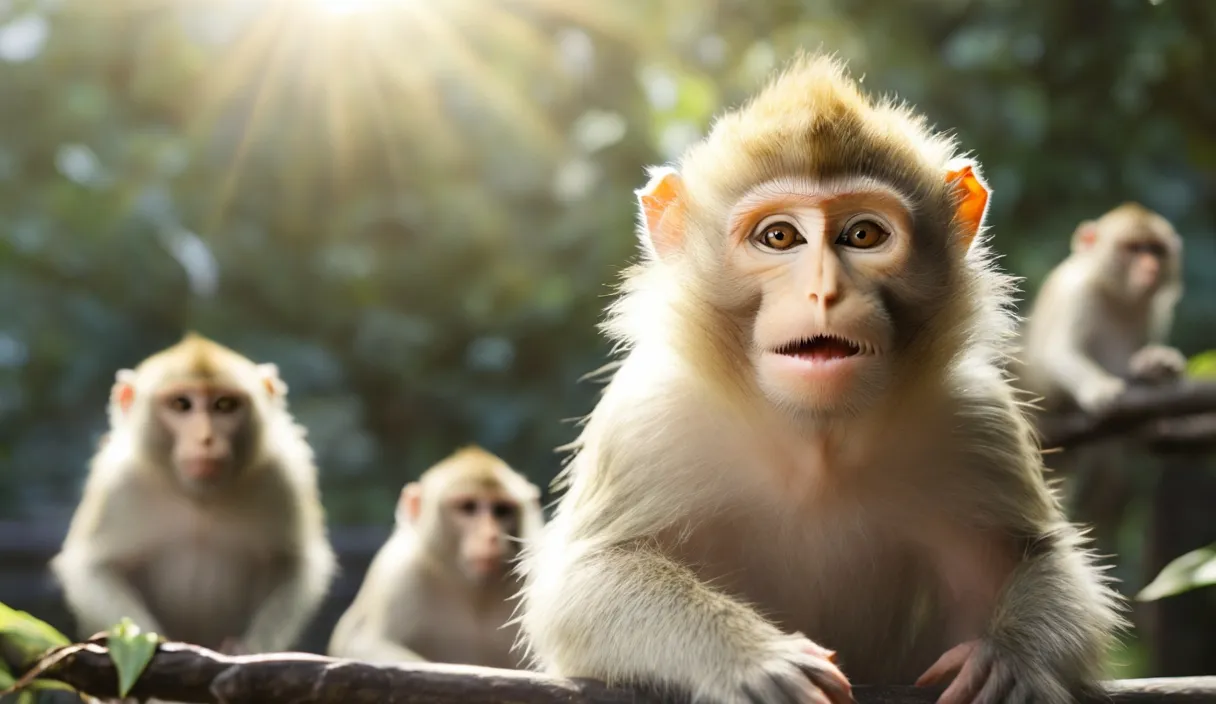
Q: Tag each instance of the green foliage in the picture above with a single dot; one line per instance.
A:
(23, 641)
(425, 246)
(26, 638)
(131, 650)
(1190, 571)
(1202, 365)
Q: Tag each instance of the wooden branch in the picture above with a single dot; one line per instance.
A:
(1137, 407)
(187, 673)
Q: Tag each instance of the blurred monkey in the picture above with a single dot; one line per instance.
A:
(201, 518)
(809, 462)
(440, 588)
(1100, 321)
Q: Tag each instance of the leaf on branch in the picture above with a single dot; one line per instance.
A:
(25, 637)
(1202, 365)
(131, 650)
(1193, 570)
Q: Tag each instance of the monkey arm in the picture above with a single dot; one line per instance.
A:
(371, 643)
(98, 595)
(1063, 359)
(628, 614)
(284, 614)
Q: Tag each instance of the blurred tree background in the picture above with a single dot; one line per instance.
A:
(417, 209)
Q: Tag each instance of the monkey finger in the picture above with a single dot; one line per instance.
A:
(828, 678)
(970, 679)
(997, 686)
(948, 664)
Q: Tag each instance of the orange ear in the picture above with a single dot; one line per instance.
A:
(409, 504)
(1085, 236)
(271, 381)
(662, 205)
(973, 197)
(122, 393)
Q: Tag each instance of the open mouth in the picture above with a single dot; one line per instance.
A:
(820, 348)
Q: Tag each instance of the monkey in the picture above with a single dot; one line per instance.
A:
(440, 588)
(1102, 316)
(201, 517)
(1099, 322)
(810, 460)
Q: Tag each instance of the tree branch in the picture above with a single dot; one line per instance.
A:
(1137, 407)
(188, 673)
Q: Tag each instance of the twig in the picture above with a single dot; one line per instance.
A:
(188, 673)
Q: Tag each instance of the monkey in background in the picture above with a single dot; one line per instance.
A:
(1099, 322)
(440, 588)
(201, 518)
(810, 462)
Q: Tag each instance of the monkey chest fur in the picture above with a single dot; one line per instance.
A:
(472, 632)
(204, 576)
(851, 585)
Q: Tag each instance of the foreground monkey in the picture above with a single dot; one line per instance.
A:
(810, 444)
(440, 588)
(1100, 321)
(200, 518)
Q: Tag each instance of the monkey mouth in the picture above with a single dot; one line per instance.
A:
(821, 348)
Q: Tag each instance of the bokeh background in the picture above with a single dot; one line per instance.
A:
(418, 209)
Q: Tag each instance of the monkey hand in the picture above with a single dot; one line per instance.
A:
(795, 670)
(987, 674)
(1156, 364)
(1097, 395)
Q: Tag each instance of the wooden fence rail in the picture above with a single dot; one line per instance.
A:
(187, 673)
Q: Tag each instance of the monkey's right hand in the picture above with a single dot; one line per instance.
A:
(1097, 395)
(796, 670)
(1157, 364)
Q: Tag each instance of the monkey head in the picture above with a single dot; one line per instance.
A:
(1137, 250)
(471, 512)
(198, 409)
(813, 235)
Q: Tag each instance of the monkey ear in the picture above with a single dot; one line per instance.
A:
(973, 195)
(409, 505)
(662, 206)
(122, 393)
(275, 386)
(1085, 236)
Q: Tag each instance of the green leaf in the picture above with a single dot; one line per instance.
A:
(1194, 569)
(131, 650)
(26, 636)
(1202, 365)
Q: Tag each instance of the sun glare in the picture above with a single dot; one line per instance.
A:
(344, 78)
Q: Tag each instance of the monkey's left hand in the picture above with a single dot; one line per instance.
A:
(986, 674)
(1156, 364)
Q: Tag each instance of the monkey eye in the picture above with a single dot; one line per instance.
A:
(468, 507)
(1153, 248)
(863, 234)
(181, 404)
(226, 404)
(779, 236)
(503, 509)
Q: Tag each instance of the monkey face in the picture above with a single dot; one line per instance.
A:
(486, 523)
(1143, 262)
(823, 262)
(205, 432)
